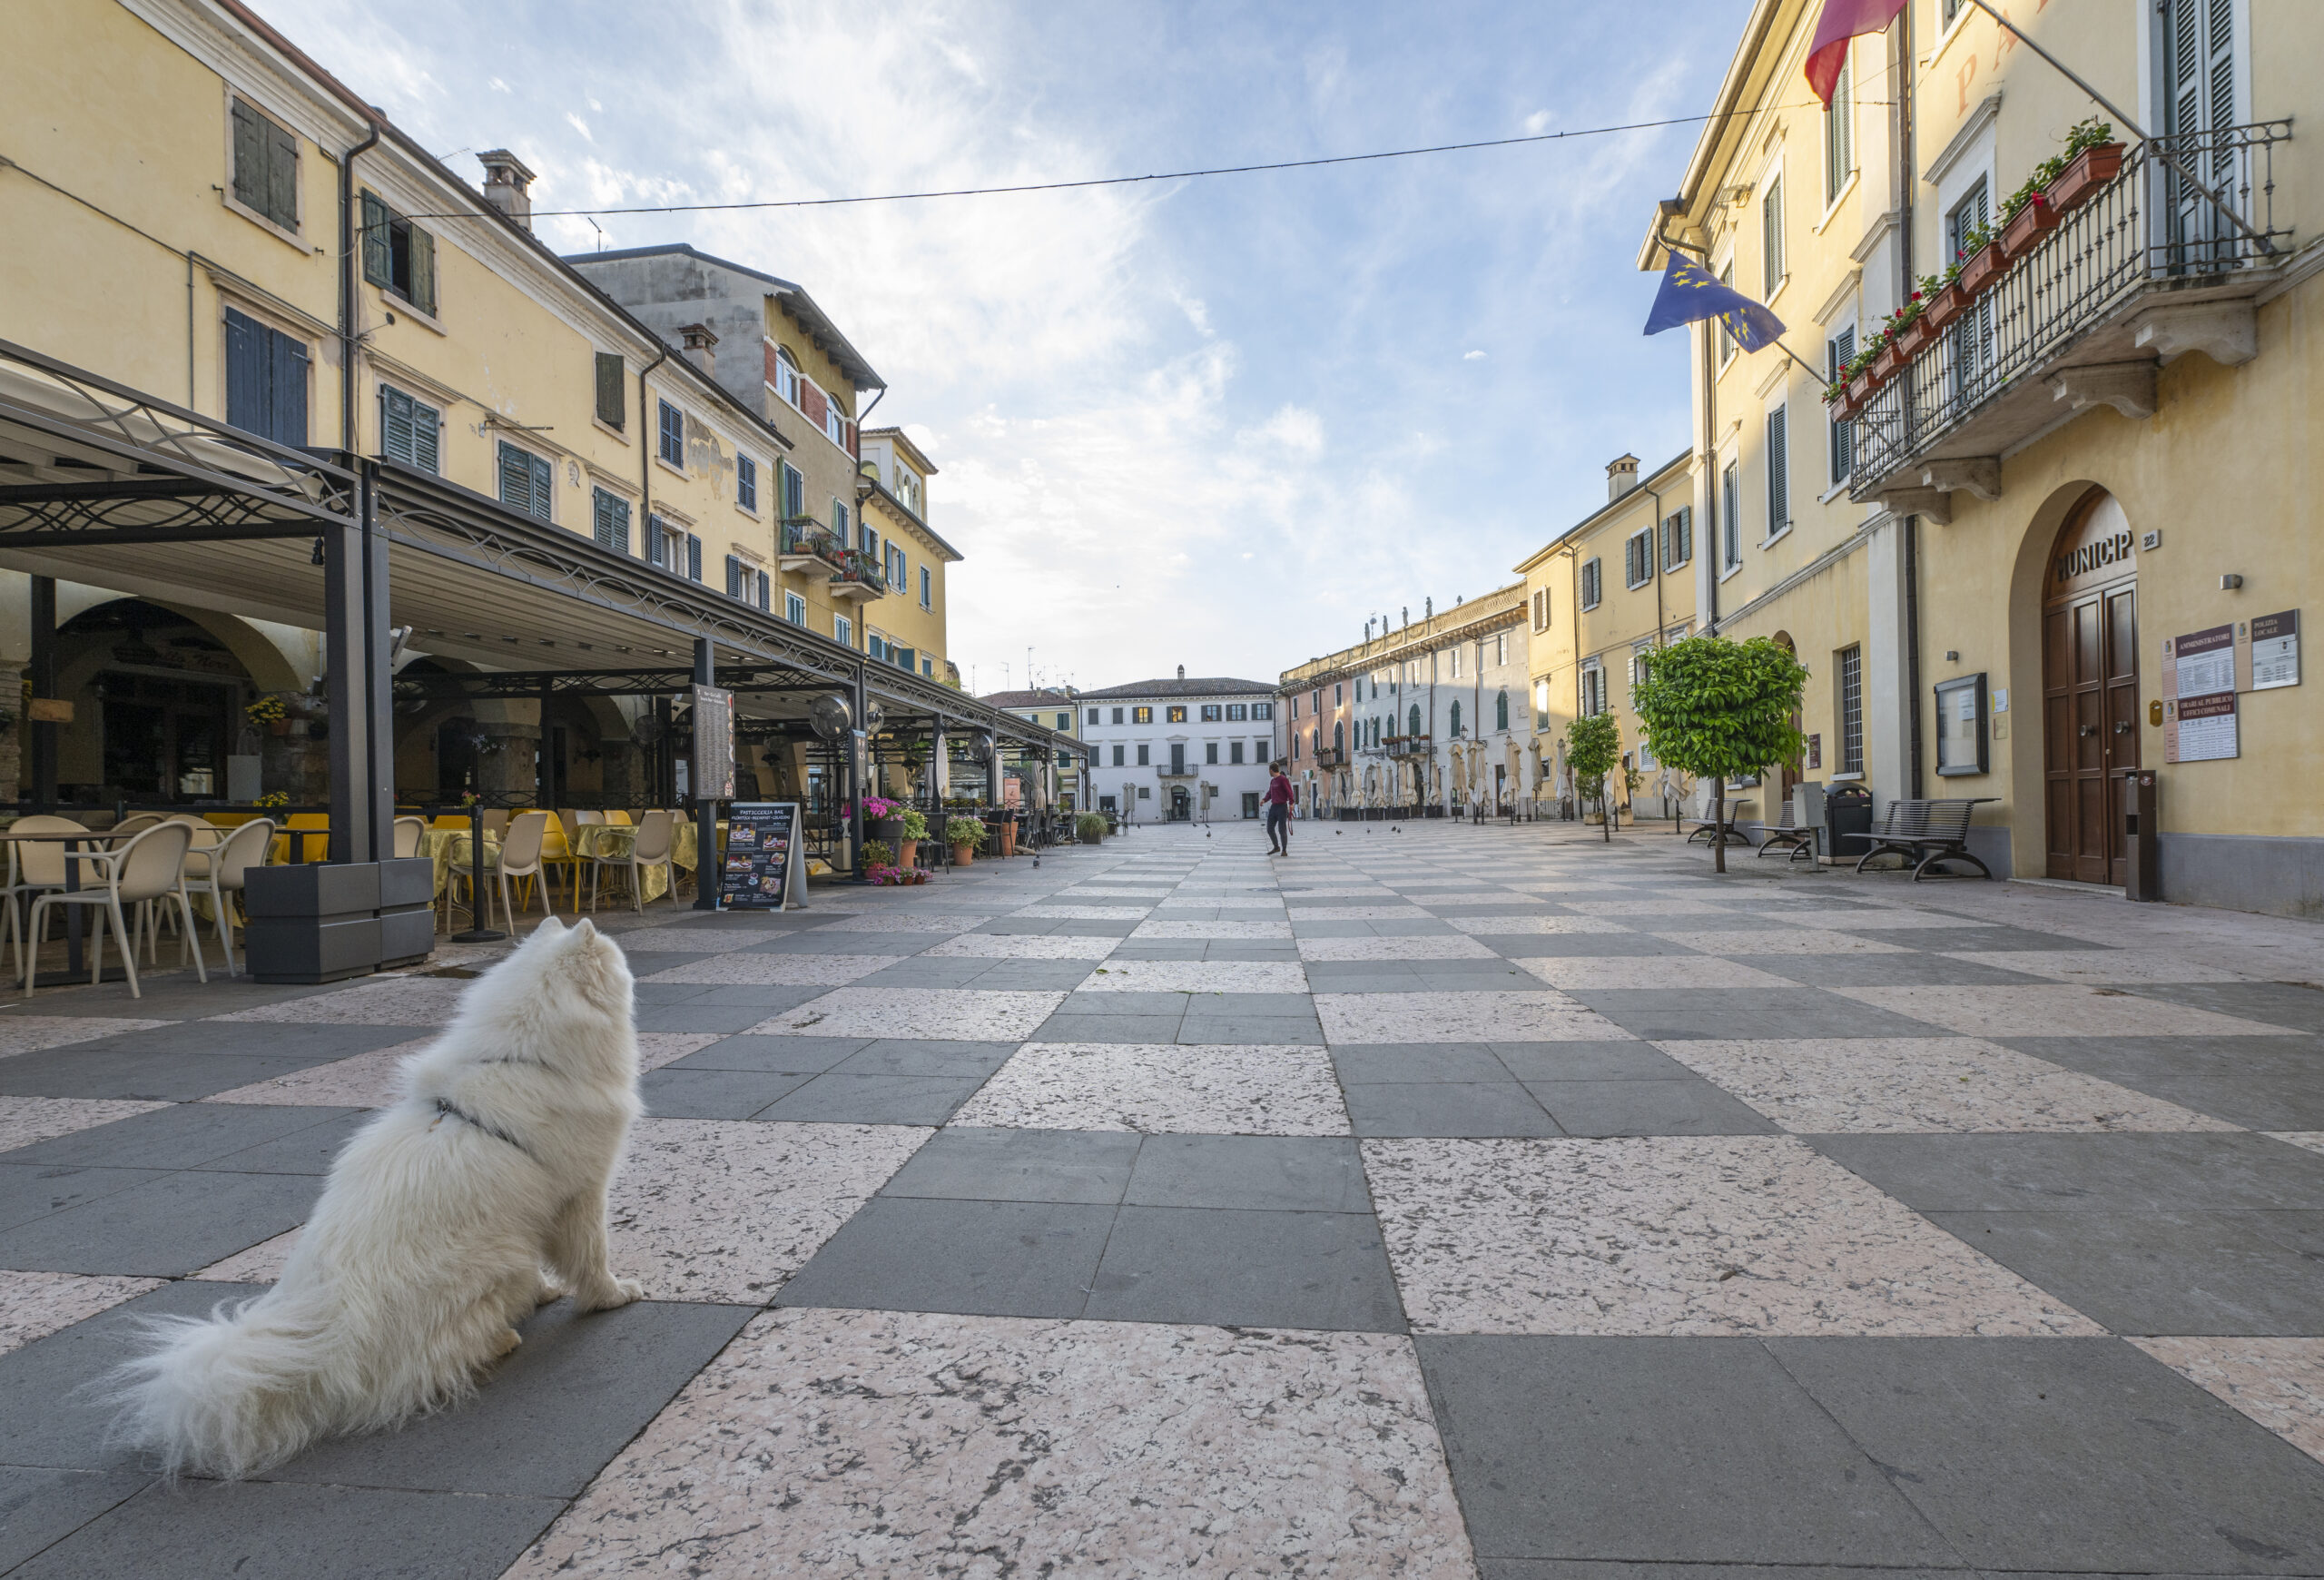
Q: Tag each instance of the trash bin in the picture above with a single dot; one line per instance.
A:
(1848, 817)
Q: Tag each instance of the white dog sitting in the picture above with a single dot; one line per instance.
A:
(432, 1235)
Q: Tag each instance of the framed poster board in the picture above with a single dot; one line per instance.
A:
(2199, 708)
(1962, 725)
(713, 775)
(764, 867)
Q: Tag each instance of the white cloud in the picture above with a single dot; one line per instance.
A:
(1472, 356)
(1537, 123)
(579, 125)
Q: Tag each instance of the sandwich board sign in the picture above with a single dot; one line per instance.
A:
(764, 867)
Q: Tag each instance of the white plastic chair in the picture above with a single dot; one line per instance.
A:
(520, 857)
(650, 849)
(151, 866)
(34, 867)
(222, 871)
(409, 831)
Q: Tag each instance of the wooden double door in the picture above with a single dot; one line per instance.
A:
(2090, 703)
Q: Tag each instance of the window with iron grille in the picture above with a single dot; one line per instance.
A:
(410, 430)
(1851, 667)
(672, 447)
(266, 167)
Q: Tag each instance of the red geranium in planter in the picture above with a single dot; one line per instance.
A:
(2084, 174)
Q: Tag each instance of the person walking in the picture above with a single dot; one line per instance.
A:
(1278, 803)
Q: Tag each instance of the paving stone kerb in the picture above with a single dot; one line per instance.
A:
(1439, 1202)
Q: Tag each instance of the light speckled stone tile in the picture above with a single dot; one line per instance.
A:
(886, 1443)
(1542, 924)
(1679, 1235)
(26, 1119)
(1889, 917)
(1021, 946)
(31, 1034)
(395, 1001)
(2311, 1139)
(1082, 912)
(1079, 893)
(2100, 966)
(689, 940)
(1543, 1016)
(1358, 914)
(941, 1013)
(1163, 1088)
(1651, 971)
(1784, 940)
(372, 1079)
(1644, 907)
(903, 922)
(1250, 903)
(776, 970)
(1465, 896)
(1224, 928)
(1341, 892)
(2277, 1382)
(1817, 1086)
(1456, 947)
(725, 1210)
(655, 1049)
(36, 1305)
(258, 1264)
(2059, 1010)
(1197, 977)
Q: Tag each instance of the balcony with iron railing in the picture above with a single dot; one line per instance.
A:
(808, 542)
(1409, 745)
(1330, 757)
(2081, 315)
(858, 576)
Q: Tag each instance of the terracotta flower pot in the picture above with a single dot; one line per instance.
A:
(964, 855)
(1981, 270)
(905, 850)
(1943, 307)
(2028, 226)
(2083, 175)
(1884, 366)
(1912, 337)
(1009, 839)
(1860, 388)
(278, 726)
(1844, 408)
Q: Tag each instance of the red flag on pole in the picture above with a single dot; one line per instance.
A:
(1842, 20)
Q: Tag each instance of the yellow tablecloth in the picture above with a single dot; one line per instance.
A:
(448, 848)
(614, 841)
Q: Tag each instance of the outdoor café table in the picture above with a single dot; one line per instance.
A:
(447, 849)
(614, 841)
(74, 856)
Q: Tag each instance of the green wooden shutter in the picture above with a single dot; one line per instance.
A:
(1778, 471)
(427, 429)
(423, 271)
(377, 267)
(693, 556)
(656, 542)
(395, 425)
(1771, 236)
(281, 203)
(613, 390)
(541, 474)
(250, 157)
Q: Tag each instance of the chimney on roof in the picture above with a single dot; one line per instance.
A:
(698, 341)
(1182, 672)
(506, 185)
(1621, 476)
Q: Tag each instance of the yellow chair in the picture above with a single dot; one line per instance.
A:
(450, 821)
(619, 817)
(312, 847)
(557, 852)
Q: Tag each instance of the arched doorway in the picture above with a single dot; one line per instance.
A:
(2090, 688)
(159, 699)
(1181, 804)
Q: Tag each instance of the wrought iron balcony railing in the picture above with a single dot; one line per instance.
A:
(803, 535)
(2147, 231)
(856, 568)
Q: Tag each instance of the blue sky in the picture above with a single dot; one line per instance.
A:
(1216, 422)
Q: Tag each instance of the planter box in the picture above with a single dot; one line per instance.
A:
(1914, 336)
(1884, 365)
(1979, 272)
(1844, 408)
(2028, 226)
(324, 922)
(1943, 307)
(2083, 175)
(1860, 388)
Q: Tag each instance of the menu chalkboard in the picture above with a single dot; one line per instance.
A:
(762, 866)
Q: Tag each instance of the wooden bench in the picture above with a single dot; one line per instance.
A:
(1927, 832)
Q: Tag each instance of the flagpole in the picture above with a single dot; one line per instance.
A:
(2135, 130)
(1820, 375)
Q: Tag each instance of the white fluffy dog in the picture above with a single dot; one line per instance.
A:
(433, 1235)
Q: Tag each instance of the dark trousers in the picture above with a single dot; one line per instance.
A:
(1279, 826)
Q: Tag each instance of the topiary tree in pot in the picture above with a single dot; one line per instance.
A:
(1721, 710)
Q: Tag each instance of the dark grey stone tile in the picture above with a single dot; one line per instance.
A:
(694, 1015)
(1260, 1174)
(1283, 952)
(1318, 1270)
(1367, 976)
(1385, 927)
(918, 971)
(1601, 1061)
(2276, 1003)
(1282, 1030)
(644, 963)
(1500, 1108)
(978, 1258)
(839, 1098)
(238, 1039)
(2236, 1273)
(899, 944)
(1912, 969)
(676, 1091)
(1969, 939)
(1066, 1028)
(1401, 1064)
(1587, 945)
(969, 1163)
(2069, 1454)
(657, 994)
(907, 1056)
(2131, 1059)
(184, 1136)
(163, 1227)
(40, 1506)
(2159, 1172)
(1097, 1004)
(775, 1055)
(152, 1077)
(551, 1416)
(30, 1190)
(1135, 949)
(1599, 1448)
(1673, 1013)
(308, 1151)
(1685, 1107)
(256, 1530)
(767, 998)
(1034, 975)
(1564, 1569)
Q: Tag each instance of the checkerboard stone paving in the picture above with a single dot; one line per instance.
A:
(1440, 1202)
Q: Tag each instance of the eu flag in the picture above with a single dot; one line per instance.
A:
(1691, 294)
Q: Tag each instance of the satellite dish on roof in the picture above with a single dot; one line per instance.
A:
(829, 716)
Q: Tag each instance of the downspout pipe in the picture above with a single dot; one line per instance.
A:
(645, 453)
(350, 265)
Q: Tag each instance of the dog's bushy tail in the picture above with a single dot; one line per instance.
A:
(229, 1395)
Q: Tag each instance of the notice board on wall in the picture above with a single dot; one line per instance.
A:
(2199, 712)
(764, 867)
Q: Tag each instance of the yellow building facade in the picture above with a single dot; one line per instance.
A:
(2004, 570)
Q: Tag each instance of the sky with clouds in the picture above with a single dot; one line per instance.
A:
(1215, 422)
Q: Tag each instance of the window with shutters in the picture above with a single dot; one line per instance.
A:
(844, 630)
(1541, 610)
(839, 523)
(1265, 710)
(1778, 474)
(524, 481)
(265, 177)
(928, 590)
(794, 608)
(1540, 705)
(1593, 689)
(1840, 131)
(397, 255)
(609, 520)
(1501, 711)
(1973, 331)
(1177, 713)
(1851, 668)
(693, 558)
(1838, 351)
(1140, 715)
(1638, 558)
(1093, 716)
(1500, 648)
(1590, 583)
(2199, 77)
(1339, 729)
(1237, 711)
(1235, 751)
(1679, 537)
(746, 483)
(410, 430)
(266, 379)
(794, 503)
(1771, 236)
(613, 391)
(671, 443)
(1730, 513)
(1210, 751)
(1210, 711)
(899, 572)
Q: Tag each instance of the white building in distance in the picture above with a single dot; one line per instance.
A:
(1179, 751)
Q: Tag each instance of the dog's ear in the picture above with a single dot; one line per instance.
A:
(584, 933)
(550, 927)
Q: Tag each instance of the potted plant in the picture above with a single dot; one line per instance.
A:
(966, 836)
(1905, 329)
(881, 820)
(877, 855)
(915, 829)
(1089, 827)
(1945, 298)
(1983, 258)
(1885, 360)
(269, 711)
(2092, 159)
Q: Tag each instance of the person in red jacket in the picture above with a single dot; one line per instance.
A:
(1278, 804)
